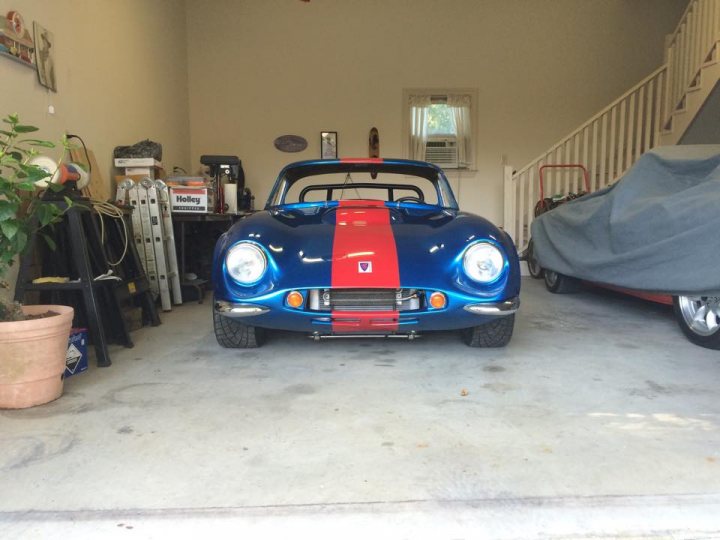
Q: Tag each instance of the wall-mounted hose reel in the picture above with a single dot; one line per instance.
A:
(60, 173)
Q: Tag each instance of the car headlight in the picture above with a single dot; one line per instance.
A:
(245, 263)
(483, 262)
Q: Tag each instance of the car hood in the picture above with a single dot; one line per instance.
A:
(361, 244)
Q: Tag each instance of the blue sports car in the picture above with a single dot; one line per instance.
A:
(364, 247)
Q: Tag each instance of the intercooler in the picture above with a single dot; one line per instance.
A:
(364, 299)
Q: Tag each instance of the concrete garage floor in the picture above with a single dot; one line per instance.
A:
(599, 420)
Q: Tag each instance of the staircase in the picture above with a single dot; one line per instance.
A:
(656, 111)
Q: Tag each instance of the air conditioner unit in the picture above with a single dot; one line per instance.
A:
(442, 151)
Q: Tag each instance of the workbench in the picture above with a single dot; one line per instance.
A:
(203, 230)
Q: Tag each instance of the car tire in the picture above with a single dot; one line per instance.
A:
(232, 334)
(699, 319)
(558, 283)
(534, 267)
(496, 333)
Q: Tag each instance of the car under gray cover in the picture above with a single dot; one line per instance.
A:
(656, 229)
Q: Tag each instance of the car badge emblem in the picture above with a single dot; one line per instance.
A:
(365, 267)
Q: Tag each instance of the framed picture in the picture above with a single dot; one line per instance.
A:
(328, 144)
(44, 56)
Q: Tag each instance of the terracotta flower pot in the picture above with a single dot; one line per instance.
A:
(32, 357)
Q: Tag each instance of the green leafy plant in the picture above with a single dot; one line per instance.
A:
(22, 212)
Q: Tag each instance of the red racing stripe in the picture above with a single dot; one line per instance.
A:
(364, 256)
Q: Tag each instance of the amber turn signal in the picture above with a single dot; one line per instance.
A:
(438, 300)
(294, 299)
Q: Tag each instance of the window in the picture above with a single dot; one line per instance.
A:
(439, 127)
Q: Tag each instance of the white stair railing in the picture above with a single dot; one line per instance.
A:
(611, 141)
(607, 145)
(688, 48)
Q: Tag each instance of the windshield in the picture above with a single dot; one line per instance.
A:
(402, 182)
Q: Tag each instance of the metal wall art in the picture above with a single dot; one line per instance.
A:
(44, 56)
(15, 40)
(290, 143)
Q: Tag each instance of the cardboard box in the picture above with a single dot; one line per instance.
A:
(189, 200)
(138, 173)
(76, 359)
(186, 181)
(141, 171)
(137, 162)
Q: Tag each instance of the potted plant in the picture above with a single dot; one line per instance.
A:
(33, 339)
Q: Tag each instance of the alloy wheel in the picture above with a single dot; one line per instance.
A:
(701, 313)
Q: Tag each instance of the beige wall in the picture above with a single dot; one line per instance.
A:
(121, 75)
(263, 68)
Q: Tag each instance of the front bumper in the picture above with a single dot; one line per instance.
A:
(276, 315)
(231, 309)
(507, 307)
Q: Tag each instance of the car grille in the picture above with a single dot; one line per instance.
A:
(364, 299)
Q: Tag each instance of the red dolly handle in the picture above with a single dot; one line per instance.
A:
(586, 176)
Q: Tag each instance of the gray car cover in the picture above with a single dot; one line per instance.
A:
(656, 229)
